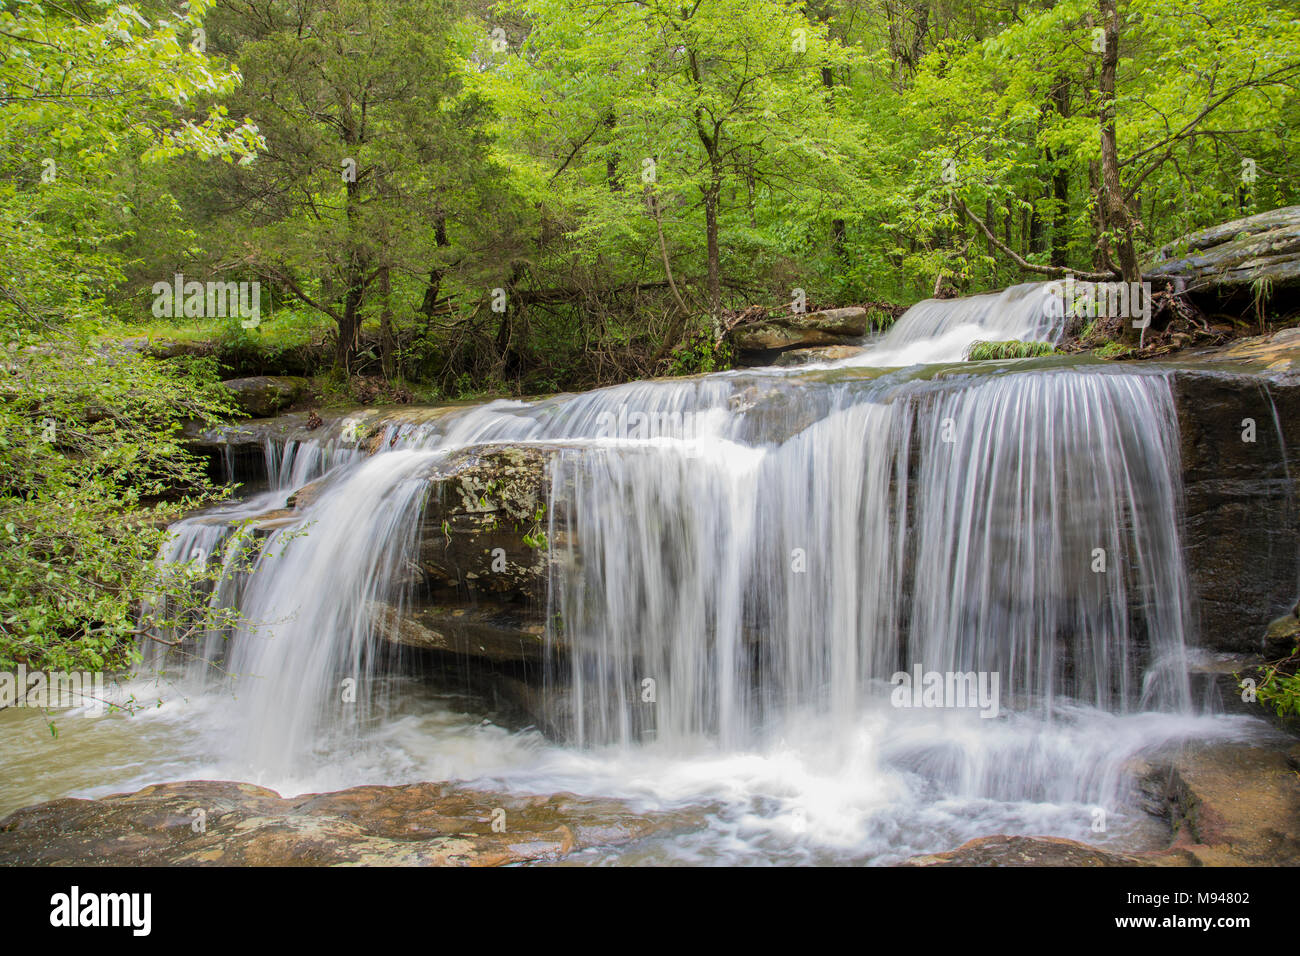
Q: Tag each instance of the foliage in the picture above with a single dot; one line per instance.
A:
(1113, 350)
(1279, 685)
(91, 459)
(701, 352)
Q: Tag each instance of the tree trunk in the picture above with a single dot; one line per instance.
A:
(431, 292)
(1116, 217)
(386, 343)
(711, 239)
(1060, 181)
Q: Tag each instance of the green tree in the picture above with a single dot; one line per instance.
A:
(90, 441)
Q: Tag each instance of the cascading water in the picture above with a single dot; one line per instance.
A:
(940, 330)
(744, 562)
(1004, 526)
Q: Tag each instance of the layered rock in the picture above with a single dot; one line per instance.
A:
(1240, 448)
(761, 342)
(1233, 256)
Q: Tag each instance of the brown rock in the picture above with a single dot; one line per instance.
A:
(421, 824)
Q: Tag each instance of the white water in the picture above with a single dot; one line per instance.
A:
(940, 330)
(768, 550)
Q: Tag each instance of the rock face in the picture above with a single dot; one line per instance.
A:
(1231, 256)
(760, 342)
(421, 824)
(485, 525)
(1240, 447)
(263, 395)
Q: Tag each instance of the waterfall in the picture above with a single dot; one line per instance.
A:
(940, 330)
(745, 562)
(1023, 525)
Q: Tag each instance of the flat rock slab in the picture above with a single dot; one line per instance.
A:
(1232, 804)
(223, 823)
(1004, 850)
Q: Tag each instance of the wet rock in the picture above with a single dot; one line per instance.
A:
(1230, 804)
(1283, 635)
(824, 353)
(491, 633)
(1235, 254)
(1003, 850)
(1240, 449)
(485, 523)
(421, 824)
(263, 395)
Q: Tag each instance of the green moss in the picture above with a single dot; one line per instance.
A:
(1113, 350)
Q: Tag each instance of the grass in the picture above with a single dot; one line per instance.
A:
(283, 329)
(993, 351)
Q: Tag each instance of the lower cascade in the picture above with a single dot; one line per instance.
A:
(855, 610)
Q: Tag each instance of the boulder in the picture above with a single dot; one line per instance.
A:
(801, 330)
(261, 396)
(420, 824)
(1230, 257)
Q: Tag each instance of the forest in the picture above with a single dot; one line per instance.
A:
(434, 200)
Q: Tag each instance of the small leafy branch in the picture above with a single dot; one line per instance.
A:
(1278, 688)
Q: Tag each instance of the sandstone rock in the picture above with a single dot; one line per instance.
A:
(422, 824)
(485, 523)
(1282, 636)
(1231, 803)
(263, 395)
(491, 633)
(1240, 500)
(828, 327)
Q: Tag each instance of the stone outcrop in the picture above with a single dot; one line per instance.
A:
(1232, 256)
(263, 395)
(421, 824)
(1001, 850)
(1240, 449)
(823, 353)
(758, 343)
(485, 524)
(1228, 804)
